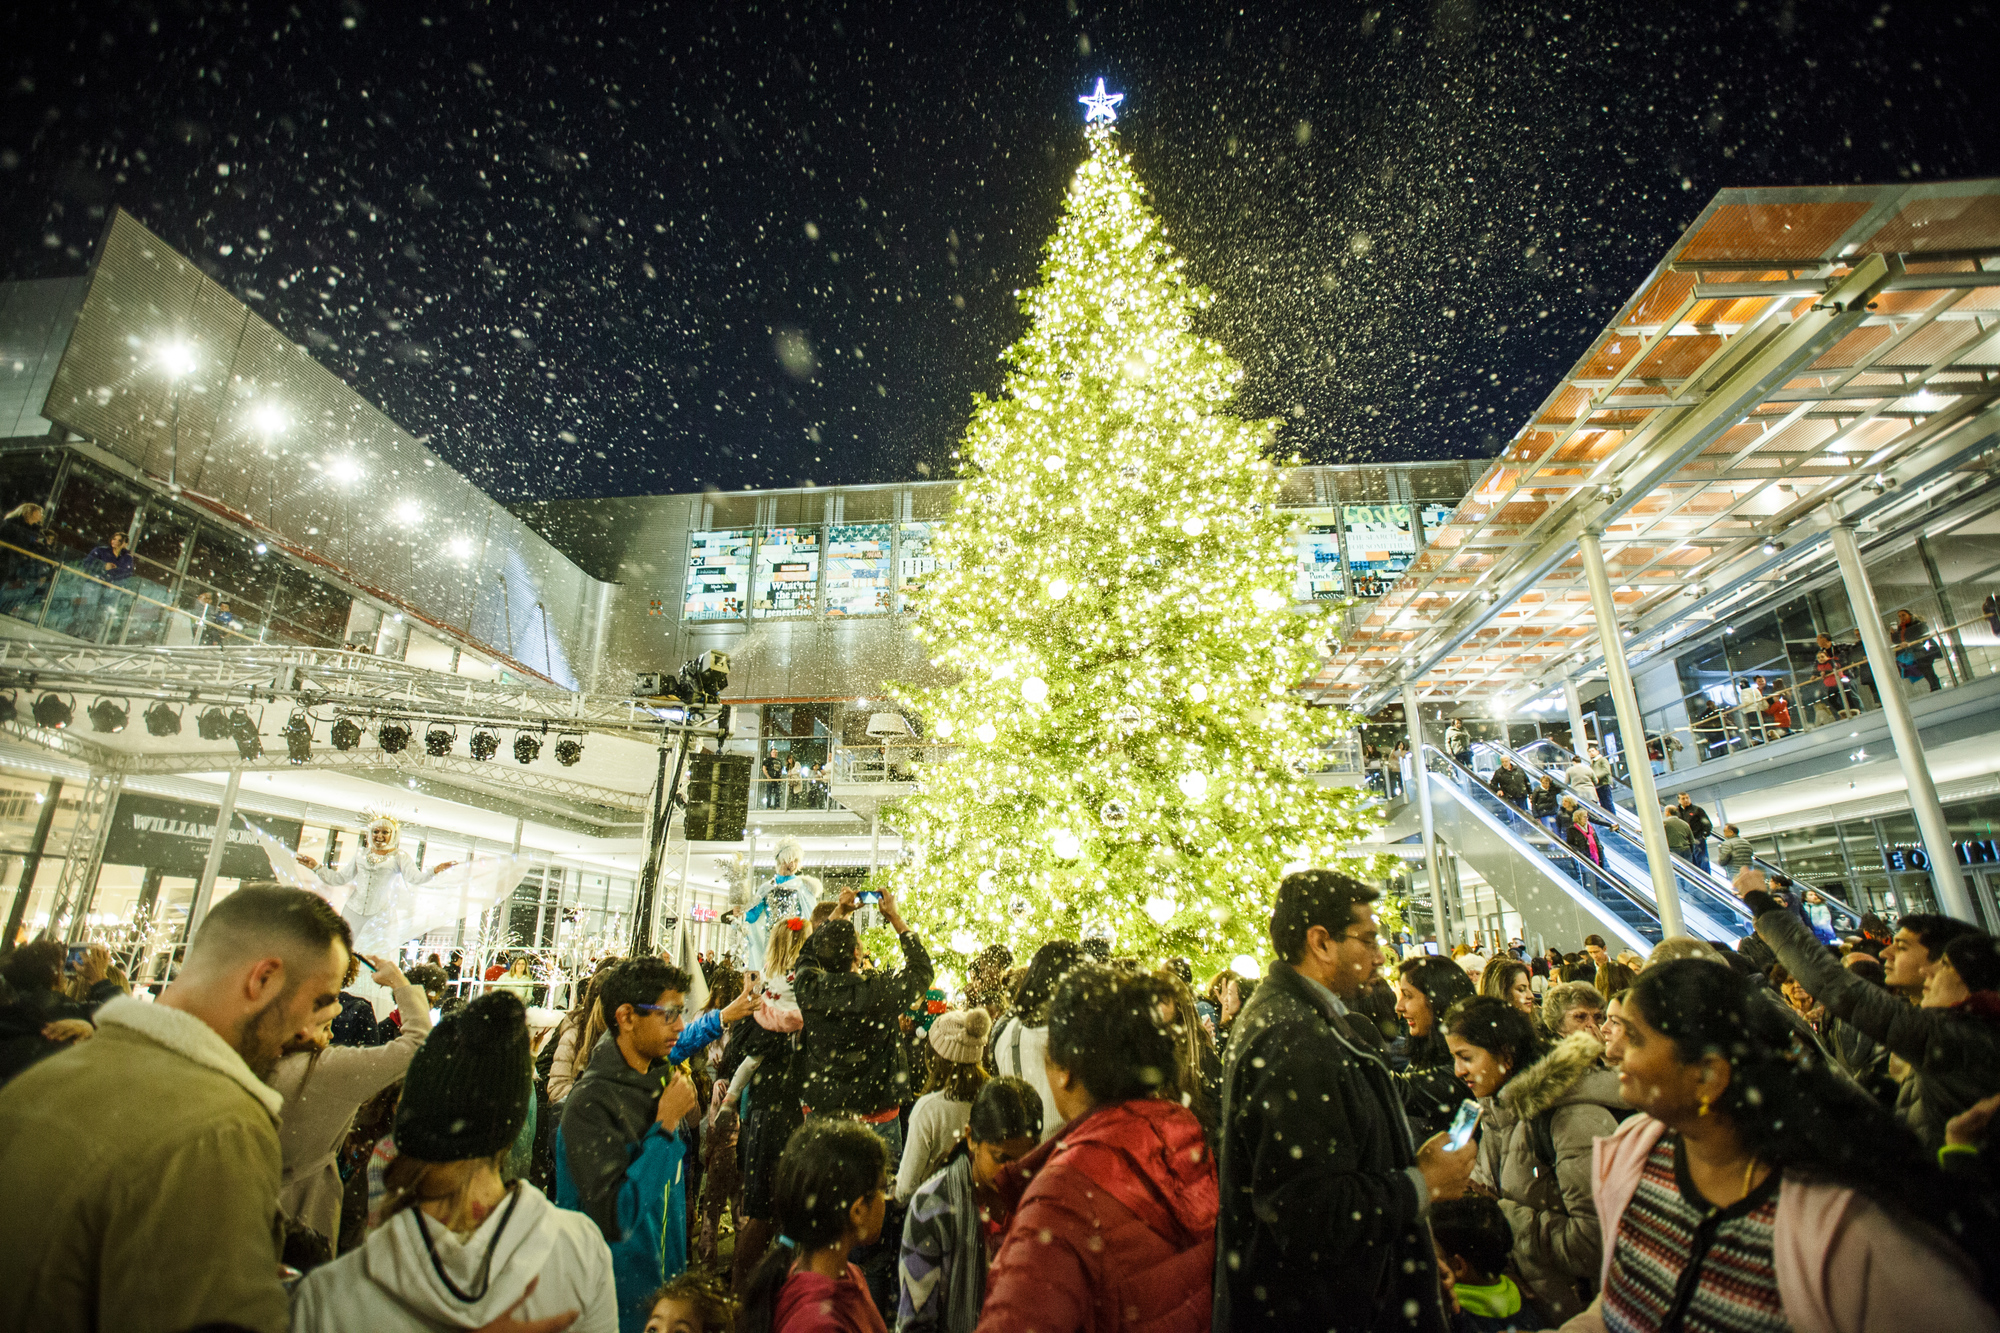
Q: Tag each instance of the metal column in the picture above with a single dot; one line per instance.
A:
(217, 845)
(1420, 775)
(1577, 741)
(1632, 733)
(68, 916)
(32, 863)
(1924, 802)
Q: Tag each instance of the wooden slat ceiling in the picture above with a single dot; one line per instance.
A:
(1930, 341)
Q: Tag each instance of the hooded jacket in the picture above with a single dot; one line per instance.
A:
(619, 1167)
(1843, 1265)
(321, 1096)
(1112, 1227)
(1549, 1206)
(139, 1183)
(851, 1031)
(390, 1285)
(1954, 1055)
(1321, 1223)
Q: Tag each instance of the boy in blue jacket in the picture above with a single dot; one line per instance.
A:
(619, 1157)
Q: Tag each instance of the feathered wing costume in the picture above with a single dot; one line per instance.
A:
(387, 899)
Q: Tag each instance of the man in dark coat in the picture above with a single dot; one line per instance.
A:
(851, 1061)
(1700, 826)
(1324, 1191)
(1511, 784)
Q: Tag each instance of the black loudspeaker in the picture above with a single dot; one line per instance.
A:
(718, 797)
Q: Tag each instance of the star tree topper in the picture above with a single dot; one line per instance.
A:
(1100, 105)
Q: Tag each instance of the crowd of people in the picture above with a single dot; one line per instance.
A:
(1782, 1132)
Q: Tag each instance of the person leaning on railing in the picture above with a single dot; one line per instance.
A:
(27, 568)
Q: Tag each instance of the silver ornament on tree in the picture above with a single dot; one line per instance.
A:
(1127, 719)
(1113, 814)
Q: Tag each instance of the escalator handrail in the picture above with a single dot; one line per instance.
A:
(1685, 871)
(1628, 820)
(1643, 903)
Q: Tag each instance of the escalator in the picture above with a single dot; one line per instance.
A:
(1557, 894)
(1627, 844)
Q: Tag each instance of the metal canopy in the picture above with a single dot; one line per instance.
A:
(1797, 353)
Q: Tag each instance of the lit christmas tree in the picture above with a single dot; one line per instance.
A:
(1112, 605)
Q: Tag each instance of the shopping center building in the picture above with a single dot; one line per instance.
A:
(1789, 430)
(299, 561)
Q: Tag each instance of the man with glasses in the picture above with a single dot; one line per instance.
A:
(619, 1152)
(1324, 1190)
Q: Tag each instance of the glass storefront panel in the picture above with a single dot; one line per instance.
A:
(857, 569)
(1316, 555)
(1381, 543)
(914, 561)
(718, 577)
(787, 582)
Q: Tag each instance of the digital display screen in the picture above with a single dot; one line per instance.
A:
(718, 574)
(1316, 557)
(1381, 543)
(857, 569)
(787, 572)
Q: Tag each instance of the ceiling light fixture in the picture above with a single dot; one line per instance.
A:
(393, 737)
(107, 716)
(346, 734)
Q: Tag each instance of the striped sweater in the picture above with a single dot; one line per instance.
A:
(1680, 1263)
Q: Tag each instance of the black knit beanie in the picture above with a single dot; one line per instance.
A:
(467, 1091)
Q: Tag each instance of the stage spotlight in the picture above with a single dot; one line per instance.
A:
(162, 720)
(298, 734)
(53, 713)
(568, 752)
(346, 734)
(393, 736)
(244, 732)
(212, 725)
(8, 712)
(105, 715)
(527, 749)
(438, 742)
(485, 745)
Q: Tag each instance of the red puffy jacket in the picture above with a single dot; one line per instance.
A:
(1112, 1230)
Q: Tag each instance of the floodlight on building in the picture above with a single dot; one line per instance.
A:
(459, 548)
(244, 732)
(394, 737)
(107, 716)
(409, 512)
(484, 745)
(343, 470)
(346, 734)
(298, 734)
(175, 358)
(53, 713)
(268, 419)
(527, 748)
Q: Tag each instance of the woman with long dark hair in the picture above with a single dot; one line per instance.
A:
(1541, 1110)
(1022, 1039)
(1426, 987)
(943, 1265)
(1509, 979)
(830, 1195)
(1759, 1189)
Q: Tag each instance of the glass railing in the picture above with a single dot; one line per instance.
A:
(1952, 653)
(808, 791)
(1708, 888)
(882, 763)
(77, 599)
(1629, 904)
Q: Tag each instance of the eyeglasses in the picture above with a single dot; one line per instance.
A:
(667, 1011)
(1372, 940)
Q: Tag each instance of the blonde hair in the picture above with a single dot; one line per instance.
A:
(413, 1182)
(1675, 947)
(21, 511)
(781, 951)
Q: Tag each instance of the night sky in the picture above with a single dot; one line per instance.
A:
(627, 250)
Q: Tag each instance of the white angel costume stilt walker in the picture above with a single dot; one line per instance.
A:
(789, 894)
(387, 899)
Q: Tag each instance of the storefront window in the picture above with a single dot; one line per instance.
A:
(1381, 543)
(787, 572)
(857, 570)
(718, 577)
(1316, 556)
(914, 561)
